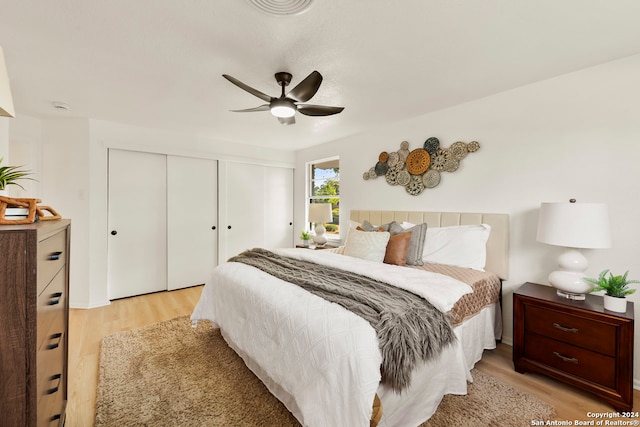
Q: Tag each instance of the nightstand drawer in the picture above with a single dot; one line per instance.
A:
(586, 333)
(576, 361)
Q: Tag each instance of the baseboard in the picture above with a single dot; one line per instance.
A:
(90, 306)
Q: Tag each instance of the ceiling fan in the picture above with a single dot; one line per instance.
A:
(285, 107)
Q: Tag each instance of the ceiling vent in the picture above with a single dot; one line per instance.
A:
(281, 7)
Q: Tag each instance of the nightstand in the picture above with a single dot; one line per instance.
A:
(577, 342)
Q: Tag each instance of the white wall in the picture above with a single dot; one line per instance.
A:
(574, 136)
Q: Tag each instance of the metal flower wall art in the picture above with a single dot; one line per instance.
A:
(421, 168)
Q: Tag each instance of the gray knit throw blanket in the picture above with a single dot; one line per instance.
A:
(409, 328)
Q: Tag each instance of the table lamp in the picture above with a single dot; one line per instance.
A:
(574, 226)
(319, 213)
(6, 102)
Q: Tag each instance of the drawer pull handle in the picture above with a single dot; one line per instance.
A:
(563, 329)
(54, 256)
(565, 358)
(58, 338)
(55, 298)
(57, 387)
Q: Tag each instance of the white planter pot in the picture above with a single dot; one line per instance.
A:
(619, 305)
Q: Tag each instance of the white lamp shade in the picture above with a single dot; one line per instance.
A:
(574, 225)
(320, 213)
(6, 102)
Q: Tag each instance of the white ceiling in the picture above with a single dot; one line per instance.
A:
(158, 63)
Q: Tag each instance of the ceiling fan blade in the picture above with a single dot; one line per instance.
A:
(248, 88)
(287, 120)
(318, 110)
(305, 90)
(264, 107)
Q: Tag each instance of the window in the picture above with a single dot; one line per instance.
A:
(324, 187)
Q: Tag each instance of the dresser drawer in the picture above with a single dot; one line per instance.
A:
(573, 360)
(51, 381)
(52, 255)
(586, 333)
(51, 309)
(50, 407)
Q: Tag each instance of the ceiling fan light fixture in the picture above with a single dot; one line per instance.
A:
(283, 108)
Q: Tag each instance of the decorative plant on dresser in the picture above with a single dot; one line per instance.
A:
(9, 175)
(616, 290)
(575, 341)
(34, 310)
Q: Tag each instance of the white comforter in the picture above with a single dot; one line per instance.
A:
(322, 355)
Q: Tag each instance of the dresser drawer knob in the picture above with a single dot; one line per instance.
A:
(565, 358)
(57, 337)
(57, 387)
(55, 298)
(564, 329)
(54, 256)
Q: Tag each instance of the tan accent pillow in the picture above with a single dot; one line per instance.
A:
(397, 249)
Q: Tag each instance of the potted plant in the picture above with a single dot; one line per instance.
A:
(616, 289)
(9, 175)
(305, 236)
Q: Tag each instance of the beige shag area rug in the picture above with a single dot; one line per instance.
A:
(170, 374)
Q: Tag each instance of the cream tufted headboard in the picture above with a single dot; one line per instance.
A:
(497, 245)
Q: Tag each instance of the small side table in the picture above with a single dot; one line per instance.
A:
(313, 247)
(577, 342)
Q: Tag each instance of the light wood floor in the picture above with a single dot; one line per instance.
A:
(87, 327)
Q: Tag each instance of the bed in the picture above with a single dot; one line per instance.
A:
(322, 361)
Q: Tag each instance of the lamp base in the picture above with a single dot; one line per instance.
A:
(569, 280)
(320, 239)
(571, 295)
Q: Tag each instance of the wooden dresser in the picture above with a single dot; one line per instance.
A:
(578, 342)
(34, 310)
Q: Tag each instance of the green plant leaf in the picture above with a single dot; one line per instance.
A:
(10, 174)
(615, 286)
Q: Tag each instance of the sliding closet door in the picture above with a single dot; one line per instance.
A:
(243, 207)
(256, 207)
(137, 249)
(192, 218)
(278, 208)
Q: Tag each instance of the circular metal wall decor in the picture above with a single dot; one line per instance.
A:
(403, 178)
(431, 178)
(381, 168)
(421, 168)
(432, 144)
(415, 185)
(458, 150)
(393, 159)
(418, 161)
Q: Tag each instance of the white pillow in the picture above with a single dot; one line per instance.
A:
(461, 245)
(365, 245)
